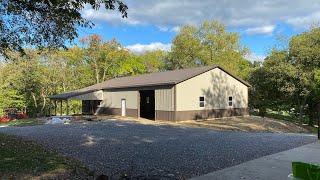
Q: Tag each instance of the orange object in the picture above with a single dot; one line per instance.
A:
(5, 119)
(13, 113)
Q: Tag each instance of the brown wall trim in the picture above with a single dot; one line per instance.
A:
(210, 113)
(200, 114)
(181, 115)
(132, 113)
(117, 111)
(165, 115)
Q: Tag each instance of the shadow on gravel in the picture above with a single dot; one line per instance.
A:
(135, 149)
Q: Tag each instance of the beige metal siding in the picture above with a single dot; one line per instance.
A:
(112, 99)
(216, 86)
(97, 95)
(164, 99)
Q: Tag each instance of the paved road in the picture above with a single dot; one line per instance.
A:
(273, 167)
(115, 147)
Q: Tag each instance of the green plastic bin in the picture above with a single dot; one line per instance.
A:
(305, 171)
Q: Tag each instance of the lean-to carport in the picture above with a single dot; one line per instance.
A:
(85, 94)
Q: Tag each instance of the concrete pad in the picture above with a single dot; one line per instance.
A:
(272, 167)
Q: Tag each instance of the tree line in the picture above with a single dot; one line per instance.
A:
(287, 80)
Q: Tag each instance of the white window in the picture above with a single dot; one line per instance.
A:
(230, 101)
(201, 101)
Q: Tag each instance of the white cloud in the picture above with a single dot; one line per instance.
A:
(140, 48)
(305, 21)
(255, 57)
(163, 28)
(175, 29)
(112, 17)
(268, 30)
(235, 14)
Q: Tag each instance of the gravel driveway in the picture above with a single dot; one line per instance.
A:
(170, 152)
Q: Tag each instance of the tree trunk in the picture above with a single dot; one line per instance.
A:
(300, 112)
(311, 117)
(96, 69)
(301, 108)
(262, 111)
(97, 74)
(104, 75)
(34, 99)
(311, 114)
(64, 86)
(105, 72)
(44, 102)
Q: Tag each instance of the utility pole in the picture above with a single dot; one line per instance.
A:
(318, 109)
(318, 124)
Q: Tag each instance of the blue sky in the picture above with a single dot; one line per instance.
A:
(152, 24)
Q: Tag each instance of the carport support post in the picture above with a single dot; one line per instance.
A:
(50, 107)
(55, 107)
(67, 107)
(60, 107)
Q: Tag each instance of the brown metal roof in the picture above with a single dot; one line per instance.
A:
(145, 80)
(64, 96)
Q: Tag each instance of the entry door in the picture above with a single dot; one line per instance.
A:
(147, 104)
(123, 107)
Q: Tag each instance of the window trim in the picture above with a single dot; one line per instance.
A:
(230, 101)
(204, 101)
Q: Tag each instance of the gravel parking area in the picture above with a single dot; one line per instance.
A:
(161, 151)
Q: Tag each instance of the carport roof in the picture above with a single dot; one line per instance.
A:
(145, 80)
(64, 96)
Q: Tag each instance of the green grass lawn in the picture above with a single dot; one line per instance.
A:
(22, 122)
(20, 158)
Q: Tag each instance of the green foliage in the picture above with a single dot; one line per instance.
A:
(10, 98)
(289, 78)
(185, 50)
(27, 81)
(208, 44)
(128, 67)
(305, 48)
(154, 61)
(106, 57)
(45, 23)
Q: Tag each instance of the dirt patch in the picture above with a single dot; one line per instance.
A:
(247, 124)
(239, 124)
(98, 118)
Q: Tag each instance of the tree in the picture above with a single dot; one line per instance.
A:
(185, 50)
(209, 44)
(154, 61)
(103, 55)
(45, 23)
(304, 53)
(289, 78)
(273, 84)
(128, 67)
(9, 97)
(24, 77)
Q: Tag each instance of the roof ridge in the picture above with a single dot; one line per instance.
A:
(172, 77)
(199, 67)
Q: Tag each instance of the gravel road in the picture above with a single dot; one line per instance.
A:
(114, 147)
